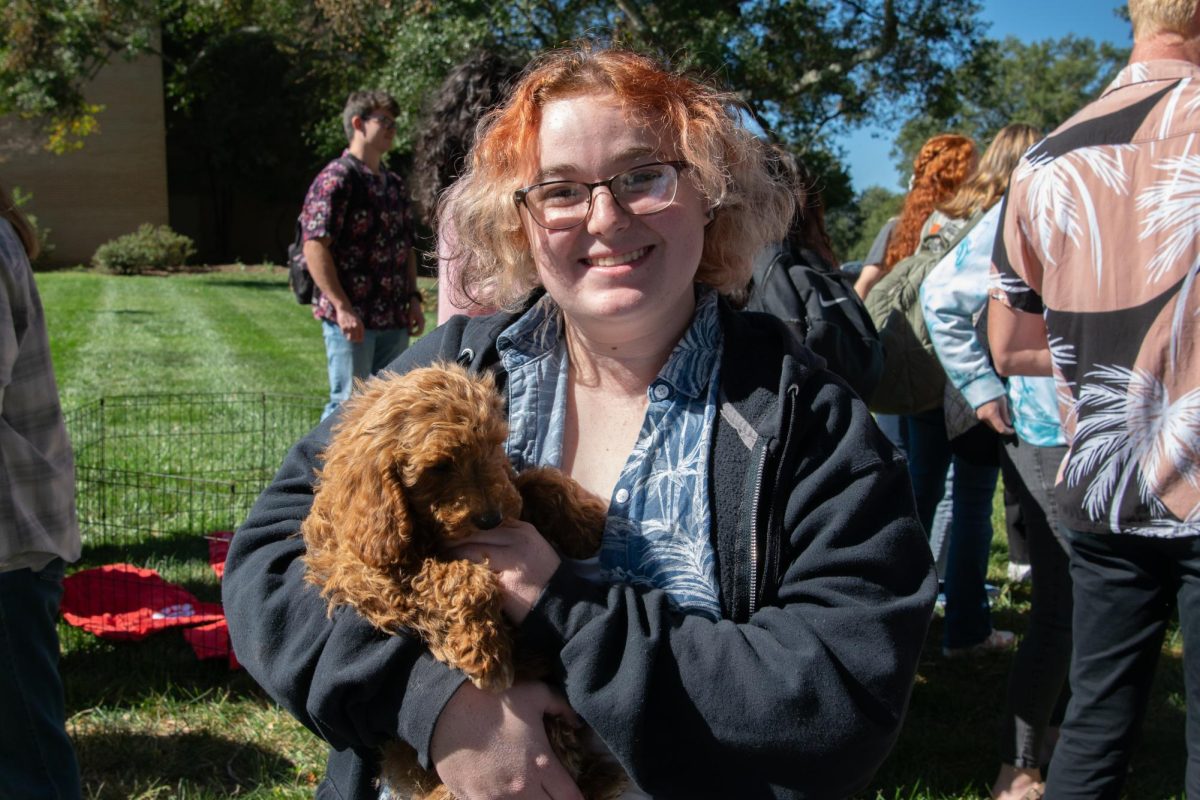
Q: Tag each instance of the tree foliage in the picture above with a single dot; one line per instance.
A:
(1040, 83)
(808, 68)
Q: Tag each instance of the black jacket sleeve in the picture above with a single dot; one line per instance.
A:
(807, 697)
(344, 680)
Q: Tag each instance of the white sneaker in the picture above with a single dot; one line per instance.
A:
(1019, 573)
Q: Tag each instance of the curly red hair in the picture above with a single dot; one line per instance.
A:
(944, 162)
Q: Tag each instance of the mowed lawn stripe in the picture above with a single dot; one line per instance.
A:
(274, 341)
(70, 300)
(112, 328)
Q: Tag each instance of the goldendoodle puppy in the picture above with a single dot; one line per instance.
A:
(417, 461)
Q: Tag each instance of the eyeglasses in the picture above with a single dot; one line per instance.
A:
(387, 123)
(559, 205)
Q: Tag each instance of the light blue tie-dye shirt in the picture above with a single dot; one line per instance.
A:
(952, 297)
(659, 519)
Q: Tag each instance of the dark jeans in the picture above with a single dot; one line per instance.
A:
(1015, 528)
(1037, 682)
(968, 614)
(36, 757)
(1126, 587)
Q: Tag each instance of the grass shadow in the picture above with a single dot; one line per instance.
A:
(116, 765)
(949, 744)
(245, 283)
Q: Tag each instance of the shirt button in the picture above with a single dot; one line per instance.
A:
(661, 391)
(622, 495)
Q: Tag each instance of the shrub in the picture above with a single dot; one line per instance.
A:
(21, 198)
(149, 247)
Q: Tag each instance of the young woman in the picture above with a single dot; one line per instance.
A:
(953, 296)
(941, 165)
(764, 589)
(475, 86)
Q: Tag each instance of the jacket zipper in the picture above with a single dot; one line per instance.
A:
(754, 518)
(756, 565)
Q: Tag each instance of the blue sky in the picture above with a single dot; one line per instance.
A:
(1028, 20)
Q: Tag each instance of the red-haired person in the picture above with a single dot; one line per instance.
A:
(753, 622)
(941, 165)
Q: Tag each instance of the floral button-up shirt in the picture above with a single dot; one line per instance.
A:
(367, 218)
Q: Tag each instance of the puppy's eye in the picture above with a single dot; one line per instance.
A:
(441, 466)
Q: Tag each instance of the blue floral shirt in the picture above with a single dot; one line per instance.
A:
(659, 519)
(952, 297)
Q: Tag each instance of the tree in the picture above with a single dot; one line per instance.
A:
(854, 226)
(240, 74)
(1040, 83)
(808, 68)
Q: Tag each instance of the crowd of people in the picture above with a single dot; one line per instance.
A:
(780, 518)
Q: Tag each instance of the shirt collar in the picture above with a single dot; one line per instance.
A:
(1144, 71)
(687, 370)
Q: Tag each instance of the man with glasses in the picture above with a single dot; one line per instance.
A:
(358, 247)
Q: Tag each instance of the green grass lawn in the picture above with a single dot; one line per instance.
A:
(150, 721)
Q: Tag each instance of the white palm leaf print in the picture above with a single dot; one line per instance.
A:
(1051, 203)
(1191, 105)
(1129, 427)
(1173, 205)
(1172, 212)
(1062, 353)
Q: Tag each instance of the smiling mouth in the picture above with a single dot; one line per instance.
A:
(617, 260)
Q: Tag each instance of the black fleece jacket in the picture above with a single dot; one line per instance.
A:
(799, 692)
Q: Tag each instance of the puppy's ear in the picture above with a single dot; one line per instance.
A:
(383, 533)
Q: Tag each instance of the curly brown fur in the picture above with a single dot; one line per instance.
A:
(416, 462)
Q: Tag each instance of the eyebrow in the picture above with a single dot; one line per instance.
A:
(554, 171)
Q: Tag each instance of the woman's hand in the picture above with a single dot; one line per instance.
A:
(489, 745)
(994, 414)
(520, 557)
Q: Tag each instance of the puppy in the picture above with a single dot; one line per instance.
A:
(416, 463)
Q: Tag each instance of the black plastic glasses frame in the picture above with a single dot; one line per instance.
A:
(520, 194)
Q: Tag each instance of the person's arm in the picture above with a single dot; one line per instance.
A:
(873, 269)
(871, 274)
(347, 682)
(953, 293)
(416, 309)
(1018, 340)
(807, 697)
(1016, 323)
(319, 259)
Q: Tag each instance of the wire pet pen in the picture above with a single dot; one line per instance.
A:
(158, 465)
(161, 480)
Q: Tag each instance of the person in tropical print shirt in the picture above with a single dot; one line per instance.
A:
(1094, 281)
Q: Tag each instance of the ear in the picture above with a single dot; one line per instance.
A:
(377, 522)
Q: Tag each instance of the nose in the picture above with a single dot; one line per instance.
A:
(606, 213)
(487, 520)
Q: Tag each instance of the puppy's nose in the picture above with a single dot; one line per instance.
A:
(488, 520)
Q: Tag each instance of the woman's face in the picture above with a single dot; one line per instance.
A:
(615, 266)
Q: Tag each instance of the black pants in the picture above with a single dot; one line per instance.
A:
(1038, 678)
(1126, 587)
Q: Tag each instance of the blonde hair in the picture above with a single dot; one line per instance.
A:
(728, 165)
(989, 181)
(1162, 16)
(25, 231)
